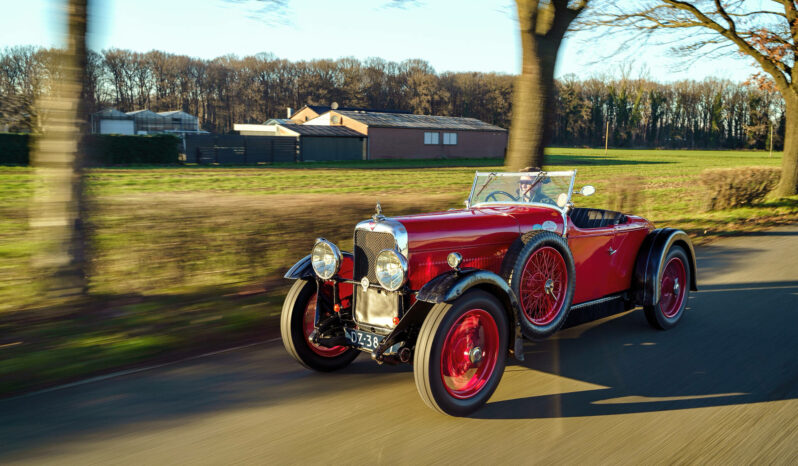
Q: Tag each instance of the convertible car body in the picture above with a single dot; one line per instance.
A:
(455, 292)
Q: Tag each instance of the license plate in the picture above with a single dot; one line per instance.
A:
(367, 341)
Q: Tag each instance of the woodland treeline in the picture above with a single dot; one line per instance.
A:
(227, 90)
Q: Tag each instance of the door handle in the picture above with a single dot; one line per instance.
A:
(612, 251)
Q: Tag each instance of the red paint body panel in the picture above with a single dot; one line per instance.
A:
(599, 273)
(590, 248)
(458, 229)
(627, 240)
(481, 235)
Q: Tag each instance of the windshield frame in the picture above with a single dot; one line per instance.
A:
(570, 173)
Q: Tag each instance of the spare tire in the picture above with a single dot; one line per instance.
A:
(543, 278)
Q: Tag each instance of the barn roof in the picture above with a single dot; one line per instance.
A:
(321, 130)
(407, 120)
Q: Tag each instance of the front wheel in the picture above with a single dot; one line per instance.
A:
(460, 353)
(674, 287)
(296, 325)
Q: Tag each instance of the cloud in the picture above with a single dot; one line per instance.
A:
(271, 12)
(403, 4)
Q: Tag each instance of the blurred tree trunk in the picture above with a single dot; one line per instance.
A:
(543, 27)
(788, 184)
(58, 210)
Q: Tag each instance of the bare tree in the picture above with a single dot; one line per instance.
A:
(765, 31)
(543, 25)
(58, 209)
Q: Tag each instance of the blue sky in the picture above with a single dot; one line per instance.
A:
(452, 35)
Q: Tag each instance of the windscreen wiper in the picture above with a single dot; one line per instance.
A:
(491, 176)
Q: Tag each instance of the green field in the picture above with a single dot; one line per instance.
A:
(184, 257)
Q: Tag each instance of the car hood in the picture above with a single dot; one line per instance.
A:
(461, 227)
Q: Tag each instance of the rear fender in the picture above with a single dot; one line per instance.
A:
(651, 259)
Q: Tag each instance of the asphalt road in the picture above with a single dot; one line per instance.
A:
(720, 388)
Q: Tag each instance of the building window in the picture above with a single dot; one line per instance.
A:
(430, 138)
(449, 139)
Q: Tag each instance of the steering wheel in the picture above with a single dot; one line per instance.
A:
(544, 199)
(494, 193)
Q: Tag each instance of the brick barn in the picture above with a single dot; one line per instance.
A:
(403, 135)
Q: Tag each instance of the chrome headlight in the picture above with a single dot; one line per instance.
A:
(391, 269)
(326, 259)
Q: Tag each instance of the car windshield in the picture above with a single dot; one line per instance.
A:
(550, 188)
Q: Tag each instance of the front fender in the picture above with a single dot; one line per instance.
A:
(449, 286)
(651, 258)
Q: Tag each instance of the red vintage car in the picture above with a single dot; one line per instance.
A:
(455, 292)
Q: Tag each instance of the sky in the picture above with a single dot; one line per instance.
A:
(452, 35)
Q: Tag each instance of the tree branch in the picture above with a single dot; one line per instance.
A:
(732, 27)
(768, 65)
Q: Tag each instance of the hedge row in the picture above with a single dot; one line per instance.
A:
(736, 187)
(101, 149)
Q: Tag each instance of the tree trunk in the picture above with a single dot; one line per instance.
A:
(533, 105)
(788, 184)
(533, 100)
(58, 210)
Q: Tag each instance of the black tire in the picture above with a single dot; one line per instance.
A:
(543, 242)
(670, 308)
(293, 335)
(435, 334)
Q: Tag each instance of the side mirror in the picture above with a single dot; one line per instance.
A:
(587, 190)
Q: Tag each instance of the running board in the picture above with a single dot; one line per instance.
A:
(605, 299)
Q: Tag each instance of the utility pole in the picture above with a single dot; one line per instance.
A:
(606, 137)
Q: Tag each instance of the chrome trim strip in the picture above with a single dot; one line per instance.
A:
(471, 193)
(560, 173)
(568, 206)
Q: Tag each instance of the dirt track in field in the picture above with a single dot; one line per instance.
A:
(720, 388)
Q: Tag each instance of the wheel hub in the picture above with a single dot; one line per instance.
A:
(676, 287)
(475, 355)
(548, 287)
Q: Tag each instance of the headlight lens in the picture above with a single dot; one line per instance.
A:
(391, 269)
(326, 259)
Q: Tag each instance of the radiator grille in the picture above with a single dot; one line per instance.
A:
(367, 245)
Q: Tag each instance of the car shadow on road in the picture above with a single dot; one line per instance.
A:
(737, 344)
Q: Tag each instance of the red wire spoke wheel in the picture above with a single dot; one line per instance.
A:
(469, 354)
(308, 327)
(542, 279)
(296, 324)
(460, 353)
(543, 286)
(674, 289)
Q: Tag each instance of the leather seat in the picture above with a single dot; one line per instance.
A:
(595, 218)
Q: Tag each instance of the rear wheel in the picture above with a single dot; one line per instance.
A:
(674, 286)
(460, 353)
(296, 325)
